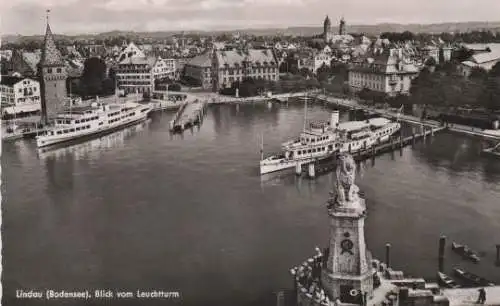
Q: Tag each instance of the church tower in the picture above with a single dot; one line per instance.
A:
(342, 29)
(348, 274)
(52, 74)
(327, 29)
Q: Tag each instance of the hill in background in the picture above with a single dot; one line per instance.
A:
(293, 31)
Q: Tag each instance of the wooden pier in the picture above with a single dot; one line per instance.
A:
(326, 165)
(189, 114)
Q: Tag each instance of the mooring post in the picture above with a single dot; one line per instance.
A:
(388, 254)
(401, 141)
(424, 133)
(432, 131)
(312, 170)
(298, 169)
(413, 138)
(498, 255)
(442, 245)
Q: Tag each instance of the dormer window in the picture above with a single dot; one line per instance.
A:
(49, 70)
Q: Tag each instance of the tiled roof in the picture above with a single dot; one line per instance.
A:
(231, 58)
(31, 59)
(485, 57)
(202, 60)
(50, 55)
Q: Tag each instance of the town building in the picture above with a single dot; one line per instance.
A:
(199, 70)
(386, 71)
(134, 74)
(485, 60)
(19, 95)
(231, 66)
(24, 63)
(131, 50)
(164, 68)
(330, 37)
(430, 52)
(52, 76)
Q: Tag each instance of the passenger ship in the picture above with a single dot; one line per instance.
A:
(98, 118)
(323, 140)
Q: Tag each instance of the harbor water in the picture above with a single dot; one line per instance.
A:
(144, 209)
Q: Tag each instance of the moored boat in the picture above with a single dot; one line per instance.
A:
(471, 279)
(465, 252)
(447, 281)
(95, 119)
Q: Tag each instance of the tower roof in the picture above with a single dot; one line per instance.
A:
(50, 54)
(327, 20)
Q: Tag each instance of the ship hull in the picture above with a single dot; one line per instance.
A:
(46, 142)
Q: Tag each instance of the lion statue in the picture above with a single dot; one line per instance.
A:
(346, 174)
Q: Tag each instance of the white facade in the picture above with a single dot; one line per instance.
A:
(231, 66)
(164, 68)
(319, 60)
(386, 73)
(21, 96)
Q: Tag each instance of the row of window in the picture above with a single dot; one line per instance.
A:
(49, 70)
(113, 114)
(315, 150)
(86, 127)
(315, 139)
(87, 119)
(134, 76)
(256, 70)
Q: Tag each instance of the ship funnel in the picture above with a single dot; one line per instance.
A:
(334, 120)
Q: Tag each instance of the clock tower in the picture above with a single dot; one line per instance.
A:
(348, 274)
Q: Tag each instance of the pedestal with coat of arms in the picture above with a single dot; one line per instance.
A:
(348, 274)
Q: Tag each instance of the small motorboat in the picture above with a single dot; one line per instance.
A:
(447, 281)
(471, 279)
(465, 252)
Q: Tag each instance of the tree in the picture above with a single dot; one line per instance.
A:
(174, 87)
(94, 73)
(490, 96)
(431, 61)
(462, 54)
(495, 70)
(478, 73)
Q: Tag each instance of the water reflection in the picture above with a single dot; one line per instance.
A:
(91, 149)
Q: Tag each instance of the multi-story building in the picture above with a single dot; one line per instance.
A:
(386, 71)
(19, 95)
(431, 52)
(319, 59)
(236, 65)
(52, 75)
(164, 68)
(135, 74)
(199, 69)
(485, 60)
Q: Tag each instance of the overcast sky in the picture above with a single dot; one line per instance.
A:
(27, 17)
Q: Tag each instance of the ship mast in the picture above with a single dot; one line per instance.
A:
(262, 146)
(305, 112)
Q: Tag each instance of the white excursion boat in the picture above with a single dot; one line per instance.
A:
(317, 142)
(322, 141)
(355, 136)
(95, 119)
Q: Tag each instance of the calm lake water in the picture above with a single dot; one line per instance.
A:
(142, 209)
